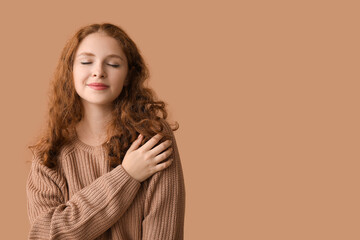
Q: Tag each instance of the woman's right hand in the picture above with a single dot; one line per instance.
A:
(141, 163)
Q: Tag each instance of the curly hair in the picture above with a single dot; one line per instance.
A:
(135, 111)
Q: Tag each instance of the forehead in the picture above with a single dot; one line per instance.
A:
(99, 44)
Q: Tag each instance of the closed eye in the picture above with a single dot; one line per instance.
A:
(113, 65)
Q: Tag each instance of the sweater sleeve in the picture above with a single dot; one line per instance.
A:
(89, 212)
(164, 209)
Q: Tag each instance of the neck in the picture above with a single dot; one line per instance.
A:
(92, 128)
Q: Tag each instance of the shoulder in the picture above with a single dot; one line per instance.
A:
(167, 128)
(38, 166)
(66, 149)
(39, 173)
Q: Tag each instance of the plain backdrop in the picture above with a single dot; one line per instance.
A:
(266, 94)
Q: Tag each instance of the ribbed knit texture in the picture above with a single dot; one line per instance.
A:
(86, 199)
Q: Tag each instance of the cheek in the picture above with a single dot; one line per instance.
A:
(79, 83)
(78, 76)
(118, 77)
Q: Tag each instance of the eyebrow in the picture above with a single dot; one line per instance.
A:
(91, 54)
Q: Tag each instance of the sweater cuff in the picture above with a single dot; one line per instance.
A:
(119, 176)
(126, 173)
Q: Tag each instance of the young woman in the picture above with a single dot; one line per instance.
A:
(107, 165)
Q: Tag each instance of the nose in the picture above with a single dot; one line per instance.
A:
(98, 72)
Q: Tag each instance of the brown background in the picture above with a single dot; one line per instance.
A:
(266, 94)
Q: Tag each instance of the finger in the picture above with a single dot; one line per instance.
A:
(161, 157)
(160, 148)
(163, 165)
(152, 142)
(136, 143)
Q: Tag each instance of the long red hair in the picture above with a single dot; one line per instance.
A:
(136, 110)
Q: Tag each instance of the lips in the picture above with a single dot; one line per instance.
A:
(98, 86)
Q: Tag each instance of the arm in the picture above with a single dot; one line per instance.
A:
(88, 214)
(165, 202)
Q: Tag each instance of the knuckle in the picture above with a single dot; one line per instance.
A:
(146, 155)
(148, 165)
(141, 151)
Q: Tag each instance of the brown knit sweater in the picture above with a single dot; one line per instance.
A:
(86, 199)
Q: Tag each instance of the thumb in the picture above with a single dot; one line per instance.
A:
(136, 143)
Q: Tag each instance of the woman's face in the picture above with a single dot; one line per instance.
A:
(99, 59)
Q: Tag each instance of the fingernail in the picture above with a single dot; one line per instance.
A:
(139, 135)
